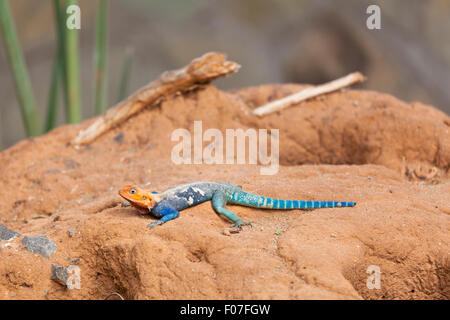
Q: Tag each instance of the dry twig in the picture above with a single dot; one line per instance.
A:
(201, 70)
(308, 93)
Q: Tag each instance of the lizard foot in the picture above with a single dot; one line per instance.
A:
(239, 224)
(154, 224)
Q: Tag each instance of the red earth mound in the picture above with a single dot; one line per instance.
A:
(391, 157)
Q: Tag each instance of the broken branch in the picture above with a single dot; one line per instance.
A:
(200, 70)
(309, 93)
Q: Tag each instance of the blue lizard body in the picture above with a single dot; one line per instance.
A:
(167, 204)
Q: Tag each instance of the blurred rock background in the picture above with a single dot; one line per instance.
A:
(303, 41)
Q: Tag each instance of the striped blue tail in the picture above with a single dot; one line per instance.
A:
(256, 201)
(300, 204)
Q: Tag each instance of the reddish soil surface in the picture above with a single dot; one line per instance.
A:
(391, 157)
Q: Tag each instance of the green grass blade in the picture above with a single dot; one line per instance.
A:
(125, 75)
(100, 58)
(52, 110)
(59, 68)
(73, 72)
(60, 15)
(22, 81)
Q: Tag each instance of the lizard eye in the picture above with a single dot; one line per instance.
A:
(144, 198)
(133, 191)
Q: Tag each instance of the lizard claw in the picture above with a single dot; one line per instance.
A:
(239, 224)
(154, 224)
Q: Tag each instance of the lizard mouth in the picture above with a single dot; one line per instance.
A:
(140, 208)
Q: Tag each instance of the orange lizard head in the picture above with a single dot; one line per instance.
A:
(141, 199)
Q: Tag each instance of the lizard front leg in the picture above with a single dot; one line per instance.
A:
(167, 213)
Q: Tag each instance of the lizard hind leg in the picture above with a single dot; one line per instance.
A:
(219, 201)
